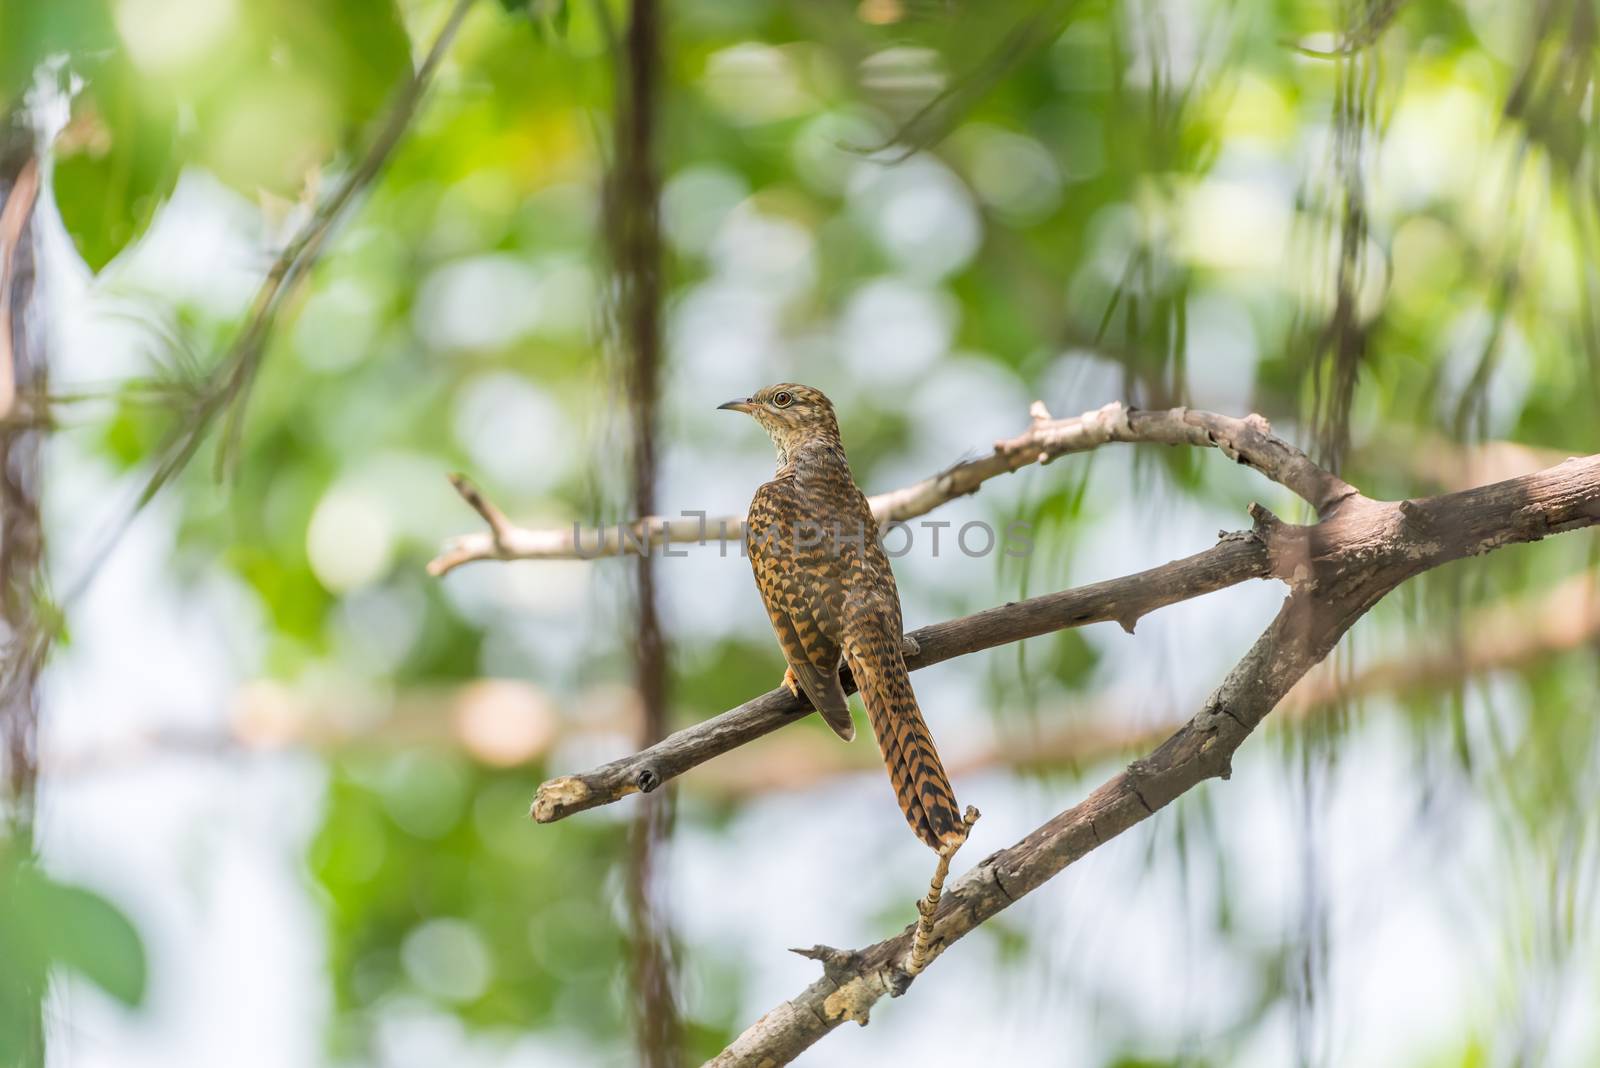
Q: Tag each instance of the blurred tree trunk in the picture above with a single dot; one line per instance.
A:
(634, 238)
(24, 632)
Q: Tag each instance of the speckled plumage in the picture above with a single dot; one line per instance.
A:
(830, 593)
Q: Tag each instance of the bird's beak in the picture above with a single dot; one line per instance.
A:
(744, 404)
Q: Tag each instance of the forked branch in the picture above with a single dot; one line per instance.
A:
(1351, 561)
(1337, 569)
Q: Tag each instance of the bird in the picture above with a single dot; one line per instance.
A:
(830, 593)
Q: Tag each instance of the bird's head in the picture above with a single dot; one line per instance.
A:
(792, 414)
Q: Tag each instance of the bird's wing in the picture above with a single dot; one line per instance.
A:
(801, 586)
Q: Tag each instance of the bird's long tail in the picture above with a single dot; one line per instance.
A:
(920, 784)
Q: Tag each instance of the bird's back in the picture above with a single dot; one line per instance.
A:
(831, 593)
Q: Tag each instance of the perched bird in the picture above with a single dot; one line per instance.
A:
(826, 583)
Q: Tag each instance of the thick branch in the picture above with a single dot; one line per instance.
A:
(1233, 560)
(1352, 561)
(854, 981)
(1366, 547)
(1248, 441)
(1511, 635)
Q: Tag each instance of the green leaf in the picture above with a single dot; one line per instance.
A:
(117, 163)
(24, 968)
(90, 936)
(46, 924)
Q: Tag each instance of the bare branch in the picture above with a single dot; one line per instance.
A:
(1233, 560)
(1405, 538)
(1505, 636)
(523, 543)
(1352, 559)
(1248, 441)
(499, 525)
(1201, 749)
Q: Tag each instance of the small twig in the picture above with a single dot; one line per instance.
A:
(928, 906)
(499, 525)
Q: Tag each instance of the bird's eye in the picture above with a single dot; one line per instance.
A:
(783, 398)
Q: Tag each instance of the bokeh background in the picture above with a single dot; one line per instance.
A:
(283, 773)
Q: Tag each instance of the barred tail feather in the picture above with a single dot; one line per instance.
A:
(920, 784)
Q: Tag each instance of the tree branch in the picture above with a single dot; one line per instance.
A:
(1234, 559)
(1350, 561)
(1337, 569)
(1506, 636)
(1357, 528)
(854, 981)
(1248, 441)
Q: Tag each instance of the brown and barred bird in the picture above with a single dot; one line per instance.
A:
(827, 585)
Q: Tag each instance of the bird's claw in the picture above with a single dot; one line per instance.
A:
(791, 682)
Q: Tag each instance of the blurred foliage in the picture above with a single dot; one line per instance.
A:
(47, 925)
(417, 836)
(1133, 200)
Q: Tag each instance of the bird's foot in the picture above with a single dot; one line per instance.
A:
(909, 646)
(922, 937)
(791, 682)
